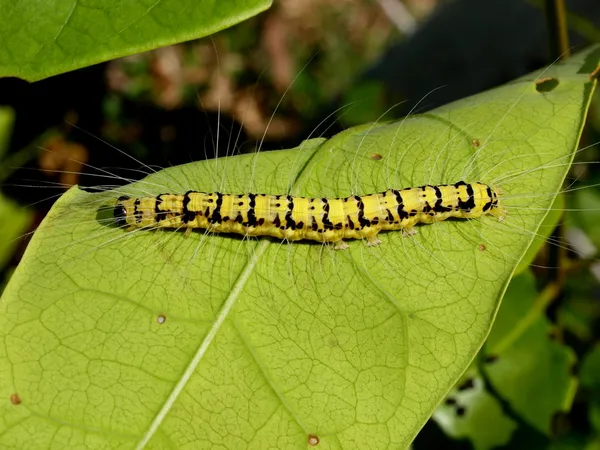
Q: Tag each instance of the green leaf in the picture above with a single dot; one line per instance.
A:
(579, 311)
(40, 39)
(590, 370)
(586, 214)
(7, 118)
(14, 219)
(529, 373)
(120, 339)
(548, 225)
(590, 380)
(529, 370)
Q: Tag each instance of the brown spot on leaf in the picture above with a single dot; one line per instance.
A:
(475, 142)
(161, 318)
(15, 399)
(376, 156)
(313, 440)
(481, 247)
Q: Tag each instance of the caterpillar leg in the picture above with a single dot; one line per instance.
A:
(499, 213)
(340, 245)
(409, 232)
(372, 241)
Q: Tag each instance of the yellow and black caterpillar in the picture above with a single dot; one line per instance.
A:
(316, 219)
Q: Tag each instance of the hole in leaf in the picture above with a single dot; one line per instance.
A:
(161, 318)
(546, 84)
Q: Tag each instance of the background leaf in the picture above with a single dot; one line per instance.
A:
(14, 220)
(523, 376)
(151, 338)
(468, 411)
(41, 39)
(526, 366)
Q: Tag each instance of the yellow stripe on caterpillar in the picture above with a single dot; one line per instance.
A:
(315, 219)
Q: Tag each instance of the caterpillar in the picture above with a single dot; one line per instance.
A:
(316, 219)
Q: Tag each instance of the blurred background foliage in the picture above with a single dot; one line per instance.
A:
(311, 68)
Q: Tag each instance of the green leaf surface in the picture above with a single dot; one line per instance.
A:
(586, 214)
(548, 225)
(162, 340)
(579, 311)
(40, 39)
(590, 381)
(14, 219)
(7, 118)
(529, 373)
(529, 370)
(590, 370)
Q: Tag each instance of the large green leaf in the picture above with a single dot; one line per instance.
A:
(44, 38)
(165, 340)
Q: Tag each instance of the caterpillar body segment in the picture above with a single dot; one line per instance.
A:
(315, 219)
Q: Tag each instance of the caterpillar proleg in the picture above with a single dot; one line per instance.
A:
(316, 219)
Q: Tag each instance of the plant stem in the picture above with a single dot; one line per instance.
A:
(557, 29)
